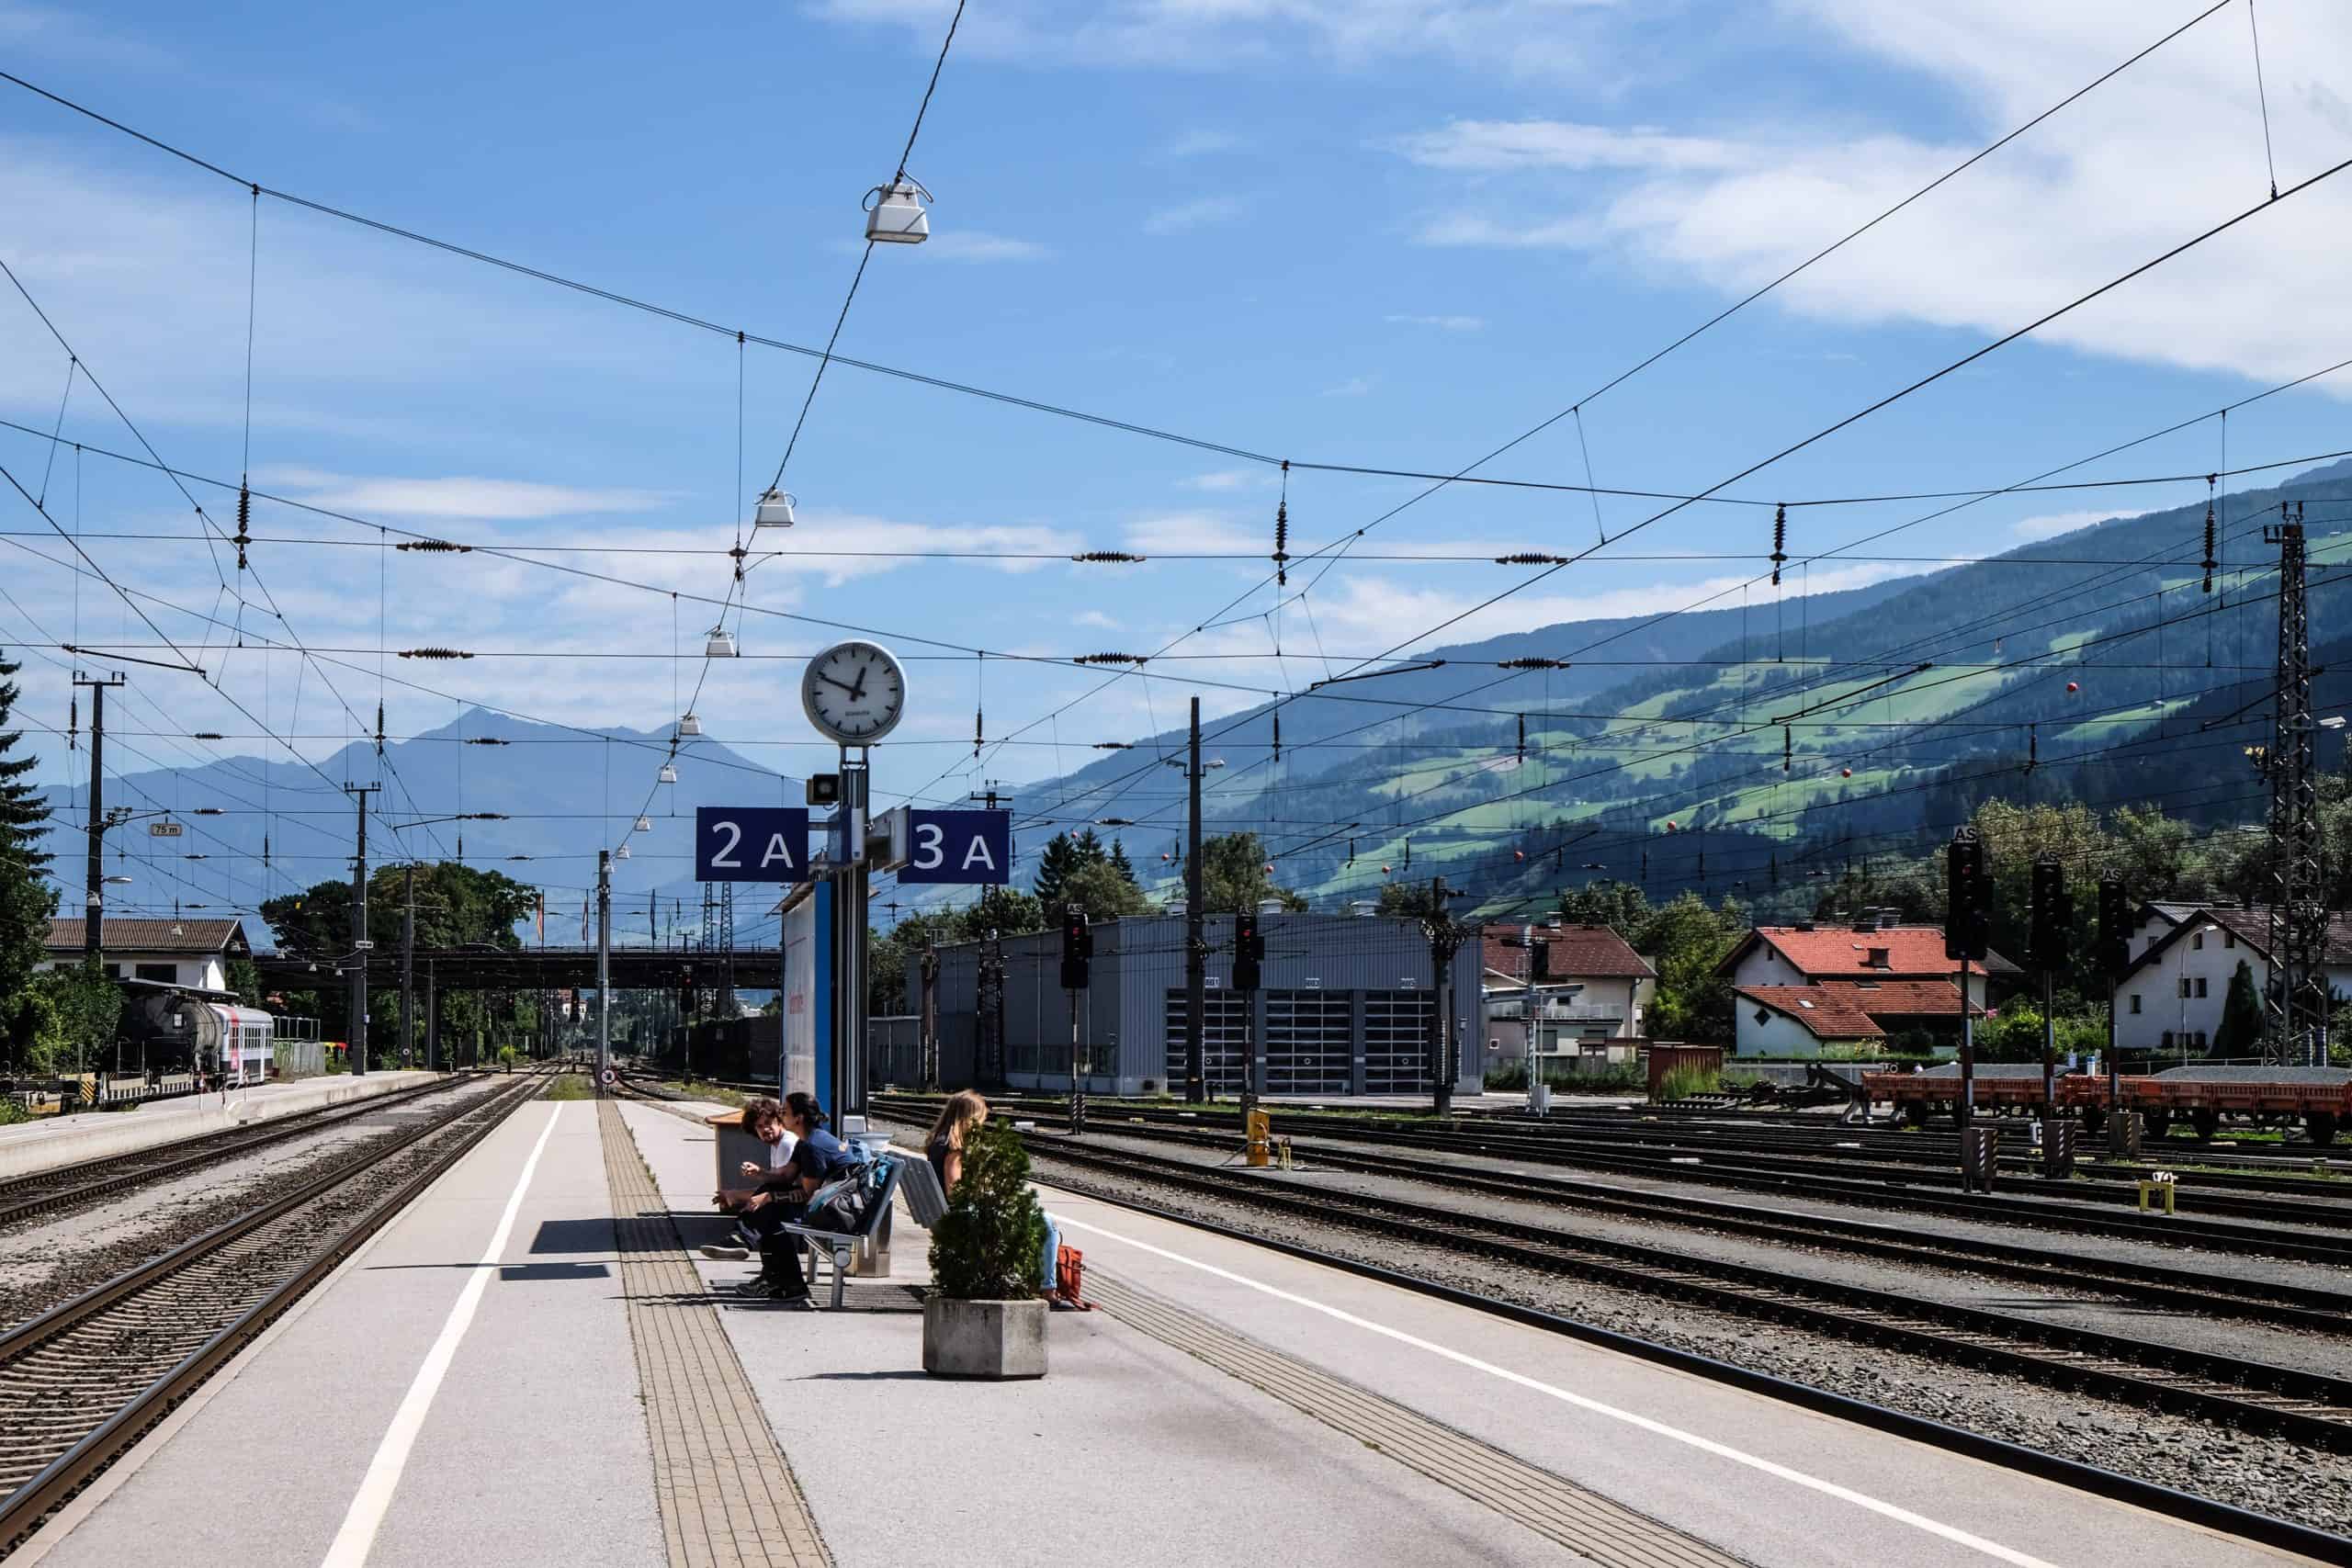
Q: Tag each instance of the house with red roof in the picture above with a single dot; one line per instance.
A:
(1800, 988)
(1580, 986)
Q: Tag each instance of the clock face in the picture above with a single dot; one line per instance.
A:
(854, 692)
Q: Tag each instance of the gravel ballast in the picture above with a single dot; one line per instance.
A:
(2247, 1470)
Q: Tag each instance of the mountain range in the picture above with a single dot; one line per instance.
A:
(1730, 751)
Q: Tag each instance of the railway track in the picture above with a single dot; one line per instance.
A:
(69, 1186)
(81, 1383)
(2305, 1408)
(2047, 1206)
(2204, 1292)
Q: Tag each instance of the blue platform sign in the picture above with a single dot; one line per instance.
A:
(750, 843)
(958, 846)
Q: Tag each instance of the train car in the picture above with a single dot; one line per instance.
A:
(176, 1028)
(2319, 1099)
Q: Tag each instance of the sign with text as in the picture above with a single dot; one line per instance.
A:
(750, 843)
(958, 846)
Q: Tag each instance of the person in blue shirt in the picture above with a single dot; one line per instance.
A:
(781, 1198)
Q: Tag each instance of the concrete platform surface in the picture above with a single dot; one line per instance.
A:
(532, 1450)
(1126, 1441)
(30, 1147)
(466, 1390)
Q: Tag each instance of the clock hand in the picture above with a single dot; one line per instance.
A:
(854, 692)
(857, 693)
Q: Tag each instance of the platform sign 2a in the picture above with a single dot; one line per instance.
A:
(750, 843)
(970, 847)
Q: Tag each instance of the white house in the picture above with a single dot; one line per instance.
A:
(1808, 984)
(2183, 956)
(1592, 987)
(182, 952)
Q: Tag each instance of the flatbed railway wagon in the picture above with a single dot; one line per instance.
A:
(2319, 1100)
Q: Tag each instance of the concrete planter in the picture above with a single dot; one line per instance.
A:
(984, 1339)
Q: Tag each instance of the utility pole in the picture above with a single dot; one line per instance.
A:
(928, 1044)
(991, 995)
(432, 1018)
(1446, 941)
(1196, 949)
(408, 963)
(360, 944)
(2296, 1000)
(93, 902)
(603, 966)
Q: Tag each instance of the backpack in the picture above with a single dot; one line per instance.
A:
(839, 1206)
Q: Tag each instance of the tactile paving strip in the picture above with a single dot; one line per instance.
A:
(1587, 1524)
(728, 1497)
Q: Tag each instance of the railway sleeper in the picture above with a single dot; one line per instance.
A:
(2016, 1350)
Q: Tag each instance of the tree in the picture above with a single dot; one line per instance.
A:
(1685, 941)
(1065, 853)
(1104, 892)
(80, 1007)
(1235, 876)
(1620, 906)
(27, 903)
(2241, 1030)
(1119, 860)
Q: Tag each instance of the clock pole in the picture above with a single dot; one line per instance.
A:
(849, 945)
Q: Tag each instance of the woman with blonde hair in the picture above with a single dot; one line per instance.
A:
(958, 1118)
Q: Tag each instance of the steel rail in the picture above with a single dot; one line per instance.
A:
(23, 1510)
(2165, 1501)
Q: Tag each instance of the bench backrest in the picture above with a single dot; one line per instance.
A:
(924, 1198)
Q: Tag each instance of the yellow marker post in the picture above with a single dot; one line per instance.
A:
(1258, 1127)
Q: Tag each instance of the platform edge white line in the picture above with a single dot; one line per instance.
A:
(1895, 1512)
(374, 1499)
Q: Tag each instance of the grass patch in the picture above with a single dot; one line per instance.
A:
(571, 1086)
(718, 1094)
(1680, 1083)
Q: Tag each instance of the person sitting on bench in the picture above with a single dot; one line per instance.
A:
(764, 1119)
(960, 1119)
(781, 1198)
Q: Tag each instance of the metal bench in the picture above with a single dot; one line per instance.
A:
(925, 1200)
(841, 1245)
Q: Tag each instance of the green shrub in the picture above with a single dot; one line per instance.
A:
(1680, 1083)
(988, 1246)
(12, 1113)
(1506, 1075)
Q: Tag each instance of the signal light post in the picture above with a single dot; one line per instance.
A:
(2115, 956)
(1249, 952)
(2052, 940)
(1965, 919)
(1078, 947)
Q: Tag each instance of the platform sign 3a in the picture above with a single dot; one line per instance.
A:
(970, 847)
(750, 843)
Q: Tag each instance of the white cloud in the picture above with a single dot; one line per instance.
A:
(973, 245)
(1197, 533)
(2054, 523)
(1445, 323)
(1477, 228)
(1489, 145)
(1188, 216)
(1519, 38)
(456, 497)
(2062, 210)
(1094, 618)
(1354, 387)
(1223, 480)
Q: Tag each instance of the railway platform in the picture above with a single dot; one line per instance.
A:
(530, 1367)
(30, 1147)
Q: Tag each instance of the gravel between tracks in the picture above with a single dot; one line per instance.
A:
(53, 1258)
(2111, 1312)
(2247, 1470)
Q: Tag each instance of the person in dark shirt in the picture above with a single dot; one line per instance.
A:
(959, 1118)
(782, 1199)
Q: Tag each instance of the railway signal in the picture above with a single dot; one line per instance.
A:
(1967, 921)
(1078, 947)
(1249, 952)
(2052, 940)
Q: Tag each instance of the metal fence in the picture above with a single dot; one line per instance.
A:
(298, 1058)
(894, 1052)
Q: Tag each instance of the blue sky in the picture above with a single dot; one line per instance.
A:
(1393, 233)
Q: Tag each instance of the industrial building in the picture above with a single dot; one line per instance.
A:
(1345, 1007)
